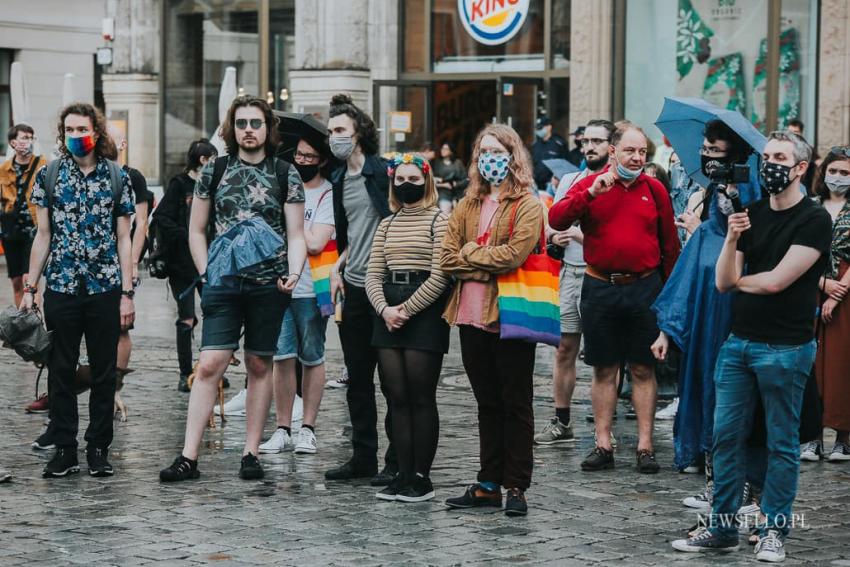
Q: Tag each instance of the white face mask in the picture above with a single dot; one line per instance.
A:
(838, 184)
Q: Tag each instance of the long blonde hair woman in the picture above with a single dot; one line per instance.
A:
(492, 231)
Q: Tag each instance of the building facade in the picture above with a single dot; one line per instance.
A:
(434, 70)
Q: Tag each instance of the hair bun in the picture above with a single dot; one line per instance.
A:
(204, 141)
(341, 98)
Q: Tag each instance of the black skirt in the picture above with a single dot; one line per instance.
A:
(424, 331)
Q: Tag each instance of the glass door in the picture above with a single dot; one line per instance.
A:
(402, 112)
(519, 104)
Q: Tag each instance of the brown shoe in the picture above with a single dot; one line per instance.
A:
(646, 463)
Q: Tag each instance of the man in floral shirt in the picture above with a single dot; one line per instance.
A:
(253, 183)
(86, 236)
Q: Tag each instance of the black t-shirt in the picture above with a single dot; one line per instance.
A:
(787, 317)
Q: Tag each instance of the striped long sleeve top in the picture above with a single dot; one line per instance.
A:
(404, 241)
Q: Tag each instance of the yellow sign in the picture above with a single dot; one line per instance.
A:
(401, 121)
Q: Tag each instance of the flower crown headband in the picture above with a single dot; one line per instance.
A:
(398, 159)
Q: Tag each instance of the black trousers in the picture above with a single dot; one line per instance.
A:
(501, 373)
(72, 317)
(361, 358)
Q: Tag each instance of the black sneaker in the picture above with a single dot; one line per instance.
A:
(706, 540)
(599, 459)
(183, 384)
(44, 441)
(351, 470)
(98, 465)
(646, 463)
(476, 496)
(385, 477)
(515, 503)
(181, 469)
(251, 469)
(390, 491)
(419, 489)
(63, 463)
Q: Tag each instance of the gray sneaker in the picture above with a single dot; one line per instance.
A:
(840, 452)
(555, 432)
(770, 548)
(5, 476)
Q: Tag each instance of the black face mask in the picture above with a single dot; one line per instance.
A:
(409, 192)
(776, 177)
(709, 164)
(307, 172)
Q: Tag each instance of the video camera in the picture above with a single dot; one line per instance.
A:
(726, 173)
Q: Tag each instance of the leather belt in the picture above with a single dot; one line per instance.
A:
(407, 277)
(618, 278)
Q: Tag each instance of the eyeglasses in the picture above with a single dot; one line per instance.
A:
(593, 141)
(712, 151)
(256, 123)
(307, 157)
(840, 151)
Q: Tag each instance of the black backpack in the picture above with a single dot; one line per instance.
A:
(220, 166)
(157, 251)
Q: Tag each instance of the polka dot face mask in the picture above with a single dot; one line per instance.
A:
(776, 177)
(494, 167)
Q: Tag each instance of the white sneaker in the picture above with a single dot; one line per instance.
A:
(811, 451)
(235, 406)
(297, 413)
(770, 548)
(341, 382)
(701, 501)
(306, 444)
(691, 469)
(668, 413)
(279, 442)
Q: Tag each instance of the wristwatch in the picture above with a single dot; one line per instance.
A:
(128, 293)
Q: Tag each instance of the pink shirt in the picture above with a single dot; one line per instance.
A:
(470, 309)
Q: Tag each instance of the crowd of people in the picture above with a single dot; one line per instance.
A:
(399, 248)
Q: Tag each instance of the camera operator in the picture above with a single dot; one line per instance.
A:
(781, 243)
(723, 155)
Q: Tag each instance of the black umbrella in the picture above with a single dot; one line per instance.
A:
(295, 126)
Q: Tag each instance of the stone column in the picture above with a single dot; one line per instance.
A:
(341, 46)
(833, 127)
(591, 61)
(131, 83)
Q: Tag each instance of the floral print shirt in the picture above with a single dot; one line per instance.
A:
(83, 242)
(840, 248)
(248, 190)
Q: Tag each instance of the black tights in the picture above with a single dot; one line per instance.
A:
(410, 379)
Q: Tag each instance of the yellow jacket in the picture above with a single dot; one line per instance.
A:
(9, 188)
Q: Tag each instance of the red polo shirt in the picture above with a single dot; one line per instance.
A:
(628, 229)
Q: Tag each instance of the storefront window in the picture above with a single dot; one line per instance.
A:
(457, 50)
(282, 50)
(717, 50)
(413, 37)
(203, 38)
(561, 34)
(5, 97)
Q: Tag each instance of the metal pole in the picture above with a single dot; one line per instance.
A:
(774, 25)
(263, 25)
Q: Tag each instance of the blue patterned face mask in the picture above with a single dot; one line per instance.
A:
(625, 173)
(494, 167)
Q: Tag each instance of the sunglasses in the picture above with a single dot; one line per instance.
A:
(840, 151)
(256, 123)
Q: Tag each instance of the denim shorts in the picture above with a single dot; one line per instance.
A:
(259, 307)
(303, 333)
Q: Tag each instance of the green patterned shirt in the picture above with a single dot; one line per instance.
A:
(248, 190)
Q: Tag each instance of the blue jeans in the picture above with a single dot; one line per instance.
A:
(778, 373)
(303, 332)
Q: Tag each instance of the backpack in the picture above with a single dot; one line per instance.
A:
(220, 166)
(157, 251)
(52, 176)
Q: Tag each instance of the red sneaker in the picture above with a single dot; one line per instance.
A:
(38, 406)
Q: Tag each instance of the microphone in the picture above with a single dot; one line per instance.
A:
(735, 198)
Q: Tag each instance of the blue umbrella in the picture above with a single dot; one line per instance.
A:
(560, 167)
(683, 120)
(243, 246)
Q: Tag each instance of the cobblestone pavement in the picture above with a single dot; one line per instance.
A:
(294, 517)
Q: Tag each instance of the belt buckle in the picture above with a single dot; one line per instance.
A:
(614, 276)
(401, 277)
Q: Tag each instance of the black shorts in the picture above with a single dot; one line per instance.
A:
(619, 324)
(17, 254)
(257, 307)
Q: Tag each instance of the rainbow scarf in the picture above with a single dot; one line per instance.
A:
(320, 269)
(529, 299)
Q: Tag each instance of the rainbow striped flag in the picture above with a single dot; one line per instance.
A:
(529, 301)
(320, 269)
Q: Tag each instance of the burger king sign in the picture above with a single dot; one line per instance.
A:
(492, 22)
